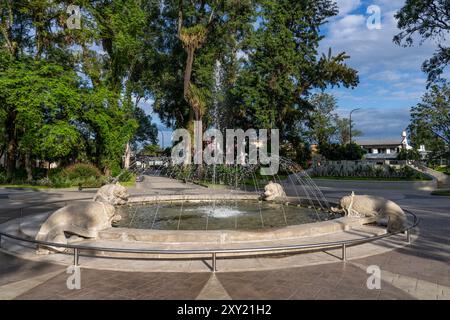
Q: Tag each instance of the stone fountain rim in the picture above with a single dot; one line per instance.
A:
(216, 237)
(222, 237)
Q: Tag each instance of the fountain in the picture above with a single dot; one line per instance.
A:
(229, 197)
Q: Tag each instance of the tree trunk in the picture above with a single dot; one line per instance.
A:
(98, 151)
(187, 83)
(12, 146)
(28, 167)
(127, 156)
(11, 159)
(188, 70)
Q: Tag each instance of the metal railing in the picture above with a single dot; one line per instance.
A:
(343, 245)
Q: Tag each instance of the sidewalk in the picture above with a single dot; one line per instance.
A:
(419, 271)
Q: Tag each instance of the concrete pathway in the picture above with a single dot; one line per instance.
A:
(418, 271)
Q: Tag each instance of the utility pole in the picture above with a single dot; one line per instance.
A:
(351, 124)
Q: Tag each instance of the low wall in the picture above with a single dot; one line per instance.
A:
(221, 237)
(370, 184)
(443, 180)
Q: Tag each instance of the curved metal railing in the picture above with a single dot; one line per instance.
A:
(214, 252)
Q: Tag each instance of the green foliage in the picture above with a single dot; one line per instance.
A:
(343, 130)
(146, 132)
(81, 171)
(42, 99)
(111, 124)
(151, 150)
(46, 111)
(431, 117)
(412, 154)
(283, 67)
(430, 123)
(323, 125)
(443, 169)
(321, 119)
(430, 20)
(73, 95)
(127, 178)
(3, 178)
(441, 193)
(366, 172)
(337, 152)
(296, 150)
(82, 174)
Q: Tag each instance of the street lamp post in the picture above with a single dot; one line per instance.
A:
(351, 124)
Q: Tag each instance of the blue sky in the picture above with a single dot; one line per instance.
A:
(391, 80)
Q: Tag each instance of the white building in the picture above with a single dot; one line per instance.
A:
(387, 149)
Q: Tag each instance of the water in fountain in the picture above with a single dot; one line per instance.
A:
(237, 179)
(216, 103)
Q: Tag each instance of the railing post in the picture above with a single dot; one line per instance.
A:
(408, 236)
(214, 261)
(75, 257)
(344, 252)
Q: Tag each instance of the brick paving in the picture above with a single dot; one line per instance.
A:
(418, 271)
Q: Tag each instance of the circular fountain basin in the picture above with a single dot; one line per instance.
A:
(217, 215)
(191, 219)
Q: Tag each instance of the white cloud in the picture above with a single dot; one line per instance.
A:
(380, 123)
(347, 6)
(391, 77)
(389, 5)
(387, 75)
(372, 50)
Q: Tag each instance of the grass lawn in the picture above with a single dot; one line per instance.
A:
(129, 184)
(23, 186)
(445, 170)
(441, 193)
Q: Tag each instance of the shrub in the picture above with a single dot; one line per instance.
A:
(2, 176)
(338, 152)
(45, 182)
(408, 155)
(20, 175)
(40, 173)
(127, 176)
(86, 175)
(81, 171)
(360, 170)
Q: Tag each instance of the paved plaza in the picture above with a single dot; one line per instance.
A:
(418, 271)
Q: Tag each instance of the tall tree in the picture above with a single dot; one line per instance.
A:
(193, 36)
(343, 130)
(118, 27)
(147, 132)
(283, 65)
(31, 33)
(429, 19)
(321, 120)
(37, 49)
(430, 121)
